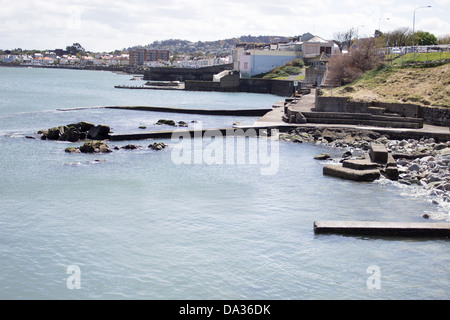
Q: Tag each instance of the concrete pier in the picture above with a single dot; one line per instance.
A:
(193, 133)
(366, 228)
(214, 112)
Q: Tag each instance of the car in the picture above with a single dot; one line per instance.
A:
(396, 51)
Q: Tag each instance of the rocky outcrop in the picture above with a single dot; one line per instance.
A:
(171, 123)
(90, 147)
(75, 132)
(157, 146)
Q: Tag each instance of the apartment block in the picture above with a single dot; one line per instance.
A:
(139, 56)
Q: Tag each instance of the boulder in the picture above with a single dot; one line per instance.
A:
(95, 147)
(72, 150)
(131, 147)
(166, 122)
(323, 156)
(99, 132)
(53, 133)
(157, 146)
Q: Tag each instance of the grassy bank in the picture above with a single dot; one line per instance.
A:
(427, 86)
(419, 57)
(293, 68)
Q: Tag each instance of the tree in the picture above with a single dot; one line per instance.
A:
(425, 38)
(398, 38)
(346, 68)
(75, 48)
(345, 39)
(445, 39)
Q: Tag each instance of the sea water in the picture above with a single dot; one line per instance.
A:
(135, 224)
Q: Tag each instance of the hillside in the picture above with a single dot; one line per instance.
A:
(177, 46)
(427, 86)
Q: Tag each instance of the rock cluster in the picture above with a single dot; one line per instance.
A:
(96, 146)
(335, 137)
(75, 132)
(171, 123)
(424, 163)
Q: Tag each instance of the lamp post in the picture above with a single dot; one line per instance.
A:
(414, 32)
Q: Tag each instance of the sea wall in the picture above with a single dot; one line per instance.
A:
(184, 74)
(282, 88)
(430, 115)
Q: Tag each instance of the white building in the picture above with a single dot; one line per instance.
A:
(251, 62)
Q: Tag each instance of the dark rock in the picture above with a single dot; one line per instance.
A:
(99, 132)
(53, 133)
(73, 135)
(72, 150)
(95, 147)
(182, 124)
(30, 137)
(85, 126)
(166, 122)
(130, 147)
(142, 127)
(347, 154)
(157, 146)
(323, 156)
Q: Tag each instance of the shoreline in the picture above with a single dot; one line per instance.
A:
(423, 164)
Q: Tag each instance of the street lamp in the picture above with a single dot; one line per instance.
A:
(414, 26)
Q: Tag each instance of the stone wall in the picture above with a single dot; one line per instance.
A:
(430, 115)
(404, 109)
(436, 116)
(339, 104)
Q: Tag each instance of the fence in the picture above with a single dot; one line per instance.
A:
(414, 55)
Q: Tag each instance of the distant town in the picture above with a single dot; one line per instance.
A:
(248, 54)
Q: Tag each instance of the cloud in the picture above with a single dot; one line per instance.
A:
(100, 25)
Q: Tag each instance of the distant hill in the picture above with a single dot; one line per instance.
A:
(218, 47)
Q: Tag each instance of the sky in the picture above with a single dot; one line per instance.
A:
(109, 25)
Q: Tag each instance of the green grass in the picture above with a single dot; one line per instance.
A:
(420, 57)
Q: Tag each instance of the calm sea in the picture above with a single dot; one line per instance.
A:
(140, 225)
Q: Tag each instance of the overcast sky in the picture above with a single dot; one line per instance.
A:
(108, 25)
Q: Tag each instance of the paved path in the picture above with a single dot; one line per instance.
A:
(307, 102)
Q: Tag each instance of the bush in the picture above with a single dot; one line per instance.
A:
(347, 68)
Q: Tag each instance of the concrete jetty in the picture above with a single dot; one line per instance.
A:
(373, 228)
(193, 133)
(214, 112)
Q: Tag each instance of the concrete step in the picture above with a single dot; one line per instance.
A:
(339, 171)
(363, 119)
(365, 164)
(382, 124)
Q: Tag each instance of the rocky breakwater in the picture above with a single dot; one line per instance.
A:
(420, 163)
(424, 163)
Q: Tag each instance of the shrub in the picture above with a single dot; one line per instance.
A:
(346, 68)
